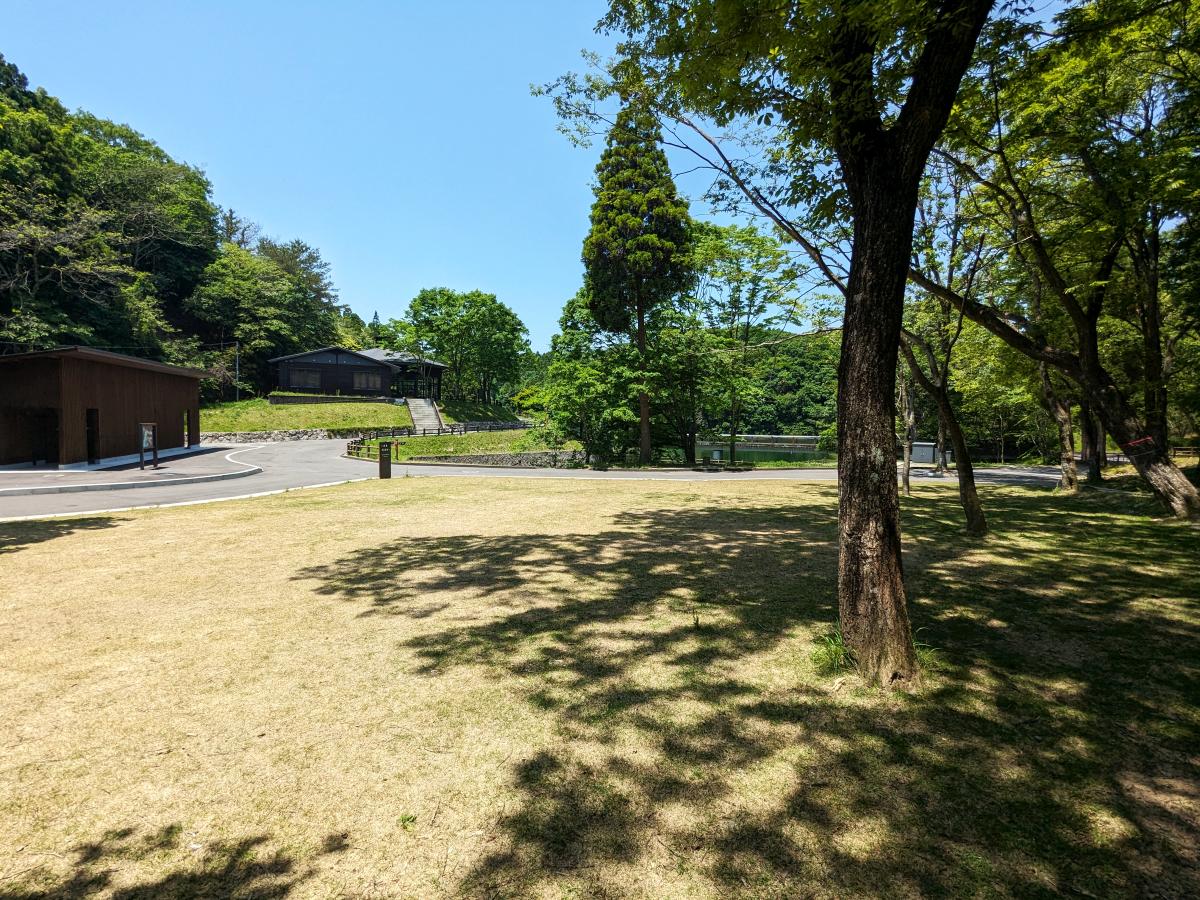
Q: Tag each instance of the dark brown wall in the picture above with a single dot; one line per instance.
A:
(124, 396)
(336, 379)
(25, 386)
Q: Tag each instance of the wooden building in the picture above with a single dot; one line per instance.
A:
(365, 373)
(74, 405)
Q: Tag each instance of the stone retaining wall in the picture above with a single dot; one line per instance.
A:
(270, 437)
(537, 459)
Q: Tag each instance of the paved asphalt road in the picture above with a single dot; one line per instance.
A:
(296, 464)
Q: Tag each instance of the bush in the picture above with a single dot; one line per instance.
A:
(827, 439)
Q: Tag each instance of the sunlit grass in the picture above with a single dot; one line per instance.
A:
(548, 688)
(259, 415)
(474, 411)
(475, 442)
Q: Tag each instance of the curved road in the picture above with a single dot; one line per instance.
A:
(298, 464)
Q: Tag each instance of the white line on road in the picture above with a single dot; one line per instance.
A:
(117, 509)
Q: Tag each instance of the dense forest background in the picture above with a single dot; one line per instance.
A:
(105, 240)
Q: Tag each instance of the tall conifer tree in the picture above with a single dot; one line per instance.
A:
(636, 254)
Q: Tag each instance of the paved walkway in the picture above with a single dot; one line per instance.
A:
(282, 466)
(298, 464)
(209, 463)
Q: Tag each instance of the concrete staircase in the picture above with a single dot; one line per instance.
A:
(424, 413)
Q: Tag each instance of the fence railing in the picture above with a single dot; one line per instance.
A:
(1121, 458)
(367, 446)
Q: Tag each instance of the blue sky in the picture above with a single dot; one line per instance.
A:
(400, 138)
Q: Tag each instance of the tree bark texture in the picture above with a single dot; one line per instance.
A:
(940, 463)
(968, 494)
(1060, 411)
(881, 169)
(910, 427)
(1153, 464)
(871, 596)
(1089, 434)
(644, 448)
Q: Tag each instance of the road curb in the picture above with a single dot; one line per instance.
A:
(249, 469)
(123, 485)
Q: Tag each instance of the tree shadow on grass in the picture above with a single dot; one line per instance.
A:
(1054, 752)
(16, 536)
(244, 869)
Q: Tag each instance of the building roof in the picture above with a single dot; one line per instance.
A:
(399, 356)
(92, 354)
(393, 359)
(359, 353)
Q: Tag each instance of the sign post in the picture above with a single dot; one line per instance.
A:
(147, 442)
(385, 459)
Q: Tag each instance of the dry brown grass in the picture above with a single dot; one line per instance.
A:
(436, 687)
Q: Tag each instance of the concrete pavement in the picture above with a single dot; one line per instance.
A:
(284, 466)
(206, 464)
(298, 464)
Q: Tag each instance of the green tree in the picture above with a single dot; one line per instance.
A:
(480, 339)
(589, 383)
(687, 383)
(745, 293)
(1082, 153)
(798, 389)
(858, 94)
(636, 254)
(102, 234)
(248, 298)
(948, 252)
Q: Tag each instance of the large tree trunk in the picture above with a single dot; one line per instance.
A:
(1089, 435)
(948, 423)
(968, 494)
(910, 427)
(940, 464)
(1154, 465)
(687, 440)
(1146, 267)
(643, 394)
(1060, 411)
(881, 168)
(871, 597)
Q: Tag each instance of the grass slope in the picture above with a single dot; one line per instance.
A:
(259, 415)
(515, 441)
(503, 687)
(469, 411)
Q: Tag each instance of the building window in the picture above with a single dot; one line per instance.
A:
(306, 378)
(366, 381)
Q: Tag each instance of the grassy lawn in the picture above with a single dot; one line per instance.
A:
(469, 411)
(511, 688)
(825, 461)
(259, 415)
(515, 441)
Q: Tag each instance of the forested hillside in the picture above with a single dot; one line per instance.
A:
(106, 240)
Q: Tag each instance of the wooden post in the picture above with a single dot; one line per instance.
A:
(385, 459)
